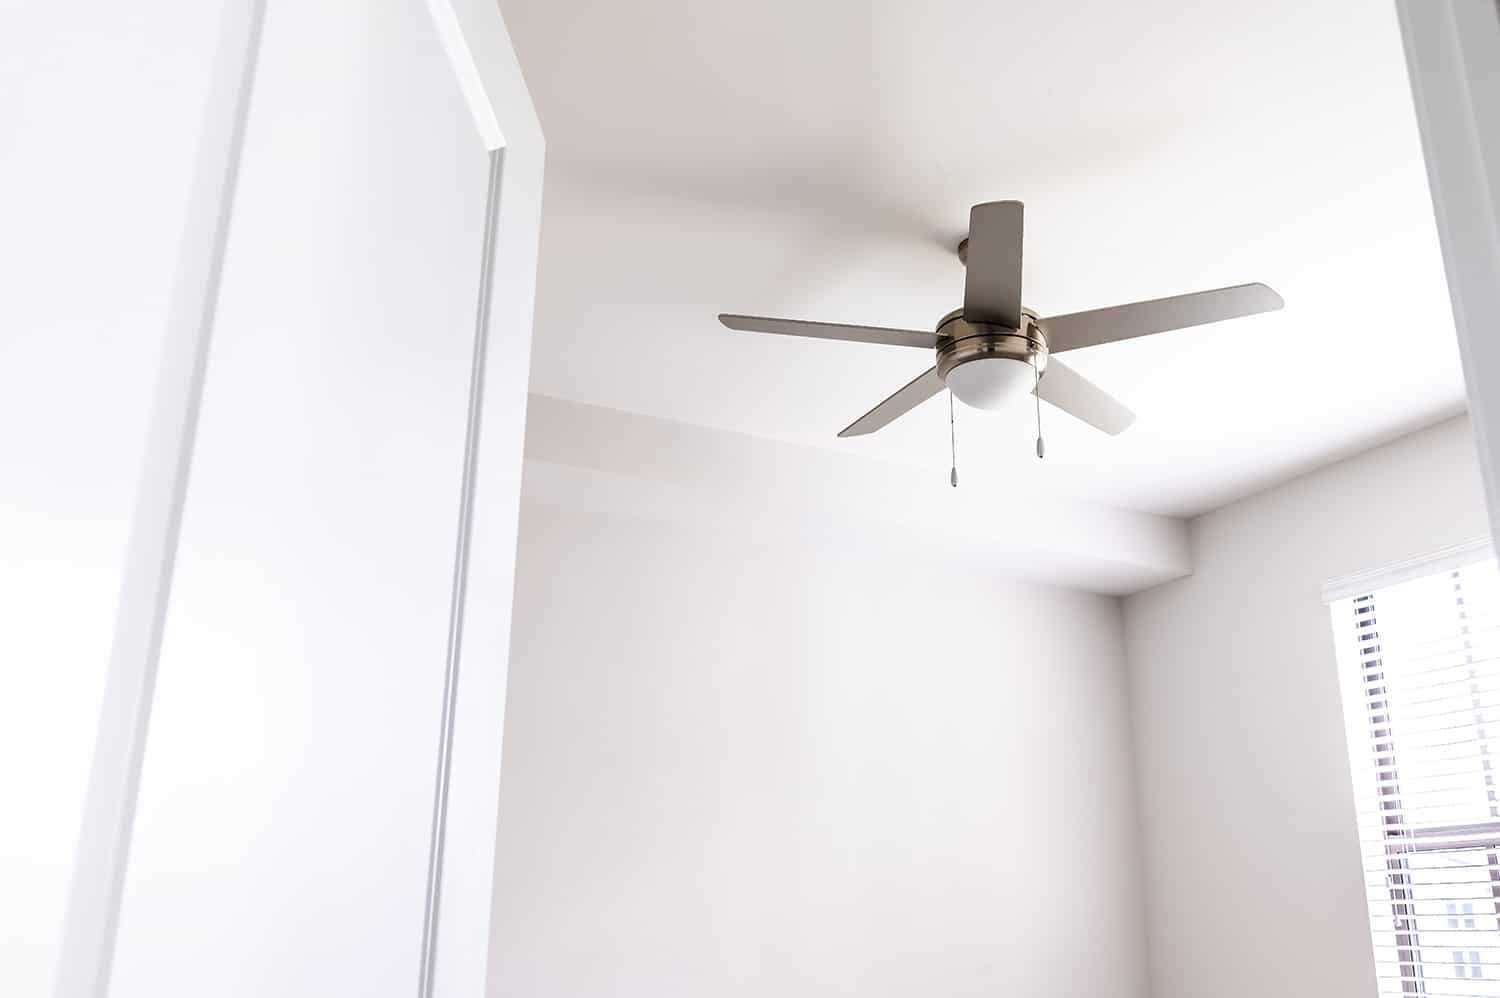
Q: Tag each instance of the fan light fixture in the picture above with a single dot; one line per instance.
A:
(991, 382)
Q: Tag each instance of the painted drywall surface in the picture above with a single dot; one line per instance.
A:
(281, 839)
(741, 766)
(1253, 871)
(100, 105)
(596, 459)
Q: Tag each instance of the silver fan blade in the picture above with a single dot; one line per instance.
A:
(1074, 394)
(830, 331)
(923, 388)
(992, 289)
(1142, 318)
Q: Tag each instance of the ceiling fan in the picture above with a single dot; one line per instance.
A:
(994, 349)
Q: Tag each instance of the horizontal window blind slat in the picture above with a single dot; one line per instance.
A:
(1415, 639)
(1438, 988)
(1463, 874)
(1438, 691)
(1415, 762)
(1431, 842)
(1463, 782)
(1416, 700)
(1391, 987)
(1433, 780)
(1440, 743)
(1384, 884)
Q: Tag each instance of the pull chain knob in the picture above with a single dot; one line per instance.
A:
(1041, 448)
(952, 445)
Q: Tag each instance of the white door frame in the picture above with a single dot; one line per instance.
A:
(1453, 58)
(456, 954)
(468, 736)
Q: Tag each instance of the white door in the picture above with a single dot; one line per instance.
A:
(310, 808)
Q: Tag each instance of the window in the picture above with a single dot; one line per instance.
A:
(1453, 910)
(1420, 666)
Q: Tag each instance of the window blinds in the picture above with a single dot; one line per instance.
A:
(1420, 664)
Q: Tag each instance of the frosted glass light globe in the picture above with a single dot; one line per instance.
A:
(990, 382)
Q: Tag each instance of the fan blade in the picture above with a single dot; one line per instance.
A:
(1142, 318)
(830, 330)
(992, 288)
(914, 394)
(1078, 396)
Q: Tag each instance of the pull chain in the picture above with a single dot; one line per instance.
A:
(952, 445)
(1041, 448)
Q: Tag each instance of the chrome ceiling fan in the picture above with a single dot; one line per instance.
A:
(994, 348)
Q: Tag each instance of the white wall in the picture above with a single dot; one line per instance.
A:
(744, 764)
(1251, 851)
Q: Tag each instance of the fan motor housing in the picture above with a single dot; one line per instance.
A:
(960, 341)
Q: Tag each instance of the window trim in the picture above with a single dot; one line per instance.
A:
(1365, 582)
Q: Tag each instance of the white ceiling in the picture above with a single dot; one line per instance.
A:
(817, 160)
